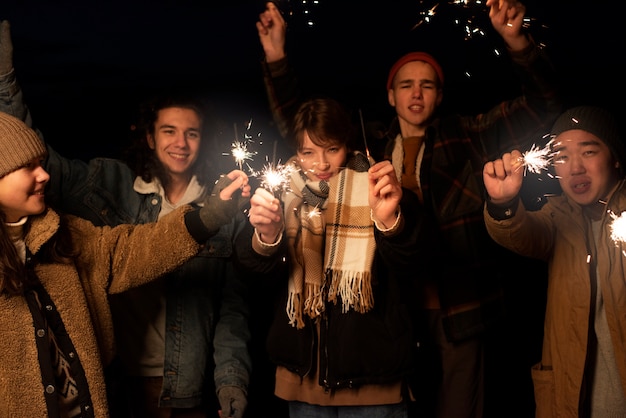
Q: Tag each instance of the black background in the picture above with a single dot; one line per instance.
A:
(84, 66)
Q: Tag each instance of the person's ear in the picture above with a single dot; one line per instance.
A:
(150, 141)
(391, 98)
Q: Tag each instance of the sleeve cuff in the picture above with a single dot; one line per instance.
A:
(264, 248)
(502, 212)
(393, 228)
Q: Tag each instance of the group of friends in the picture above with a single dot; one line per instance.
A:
(129, 287)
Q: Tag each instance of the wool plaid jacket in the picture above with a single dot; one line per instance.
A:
(471, 267)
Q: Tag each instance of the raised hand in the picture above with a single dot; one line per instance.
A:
(272, 30)
(385, 193)
(221, 206)
(507, 18)
(503, 177)
(266, 215)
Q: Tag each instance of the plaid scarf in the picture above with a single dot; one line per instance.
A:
(331, 241)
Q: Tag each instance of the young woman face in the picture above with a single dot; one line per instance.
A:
(321, 162)
(585, 167)
(22, 191)
(176, 141)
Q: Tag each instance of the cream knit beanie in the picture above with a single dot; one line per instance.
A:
(18, 144)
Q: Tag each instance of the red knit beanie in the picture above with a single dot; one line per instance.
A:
(414, 56)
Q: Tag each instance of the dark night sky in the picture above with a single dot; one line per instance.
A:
(85, 65)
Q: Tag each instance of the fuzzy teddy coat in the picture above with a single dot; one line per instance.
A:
(110, 260)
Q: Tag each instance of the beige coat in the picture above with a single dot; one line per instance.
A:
(560, 234)
(111, 260)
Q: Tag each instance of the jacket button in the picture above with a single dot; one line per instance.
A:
(49, 389)
(154, 201)
(41, 333)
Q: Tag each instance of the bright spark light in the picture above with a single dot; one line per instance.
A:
(275, 177)
(314, 212)
(618, 228)
(537, 159)
(240, 151)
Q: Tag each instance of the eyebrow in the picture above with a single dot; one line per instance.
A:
(579, 144)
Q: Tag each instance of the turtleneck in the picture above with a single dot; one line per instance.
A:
(16, 233)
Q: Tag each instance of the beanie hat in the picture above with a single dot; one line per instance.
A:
(414, 56)
(18, 144)
(595, 120)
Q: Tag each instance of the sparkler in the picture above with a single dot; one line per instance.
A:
(275, 177)
(537, 159)
(618, 227)
(240, 151)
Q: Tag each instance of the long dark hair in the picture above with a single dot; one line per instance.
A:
(15, 275)
(143, 160)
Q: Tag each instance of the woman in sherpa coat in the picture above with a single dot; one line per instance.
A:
(56, 272)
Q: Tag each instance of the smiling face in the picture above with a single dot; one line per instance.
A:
(22, 191)
(415, 95)
(585, 167)
(321, 162)
(176, 140)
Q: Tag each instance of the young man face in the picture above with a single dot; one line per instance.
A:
(415, 95)
(585, 167)
(22, 191)
(176, 140)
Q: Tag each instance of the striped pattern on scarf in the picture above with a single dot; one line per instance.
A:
(341, 231)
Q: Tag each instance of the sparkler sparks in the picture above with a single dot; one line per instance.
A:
(537, 159)
(618, 227)
(275, 177)
(240, 152)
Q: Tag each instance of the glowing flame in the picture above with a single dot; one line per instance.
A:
(537, 159)
(275, 177)
(618, 228)
(240, 151)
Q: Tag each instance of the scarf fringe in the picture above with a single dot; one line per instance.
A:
(353, 289)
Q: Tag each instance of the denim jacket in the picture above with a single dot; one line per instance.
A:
(101, 191)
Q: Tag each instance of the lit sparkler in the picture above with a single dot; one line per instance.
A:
(275, 177)
(240, 151)
(314, 212)
(618, 227)
(537, 159)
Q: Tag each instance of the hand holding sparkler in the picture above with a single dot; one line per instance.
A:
(385, 193)
(266, 215)
(503, 177)
(220, 207)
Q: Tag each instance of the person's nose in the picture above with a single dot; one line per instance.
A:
(323, 164)
(417, 92)
(42, 175)
(181, 139)
(576, 165)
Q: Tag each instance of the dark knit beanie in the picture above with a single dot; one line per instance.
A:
(18, 144)
(414, 56)
(595, 120)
